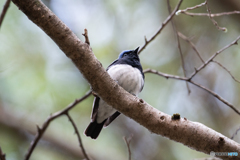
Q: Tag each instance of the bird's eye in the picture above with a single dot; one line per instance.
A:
(124, 55)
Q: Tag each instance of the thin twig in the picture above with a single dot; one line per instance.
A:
(234, 134)
(194, 83)
(2, 155)
(213, 56)
(226, 70)
(211, 18)
(5, 8)
(127, 141)
(211, 15)
(192, 44)
(40, 131)
(78, 135)
(164, 74)
(191, 8)
(179, 45)
(161, 28)
(85, 34)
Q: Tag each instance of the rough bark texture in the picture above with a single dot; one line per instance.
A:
(191, 134)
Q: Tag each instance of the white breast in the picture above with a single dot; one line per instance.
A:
(127, 77)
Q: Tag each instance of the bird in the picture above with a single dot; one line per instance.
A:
(128, 73)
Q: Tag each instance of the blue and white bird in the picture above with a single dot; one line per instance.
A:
(127, 72)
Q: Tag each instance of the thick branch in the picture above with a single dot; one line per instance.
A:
(191, 134)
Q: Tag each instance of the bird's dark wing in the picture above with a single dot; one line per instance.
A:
(95, 108)
(112, 64)
(110, 119)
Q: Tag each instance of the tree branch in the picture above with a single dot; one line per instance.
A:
(211, 18)
(161, 28)
(40, 131)
(196, 84)
(127, 141)
(194, 7)
(179, 46)
(212, 14)
(226, 70)
(213, 56)
(191, 43)
(192, 134)
(2, 155)
(5, 8)
(235, 133)
(78, 135)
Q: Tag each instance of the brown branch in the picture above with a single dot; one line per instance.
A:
(234, 134)
(5, 8)
(191, 43)
(85, 34)
(202, 139)
(2, 155)
(211, 15)
(40, 131)
(161, 28)
(211, 18)
(127, 141)
(179, 46)
(226, 70)
(196, 84)
(213, 56)
(78, 135)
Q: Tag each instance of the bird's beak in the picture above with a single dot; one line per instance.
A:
(136, 50)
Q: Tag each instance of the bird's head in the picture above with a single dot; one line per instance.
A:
(129, 54)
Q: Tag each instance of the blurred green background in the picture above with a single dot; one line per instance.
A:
(37, 79)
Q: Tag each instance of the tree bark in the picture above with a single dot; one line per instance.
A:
(192, 134)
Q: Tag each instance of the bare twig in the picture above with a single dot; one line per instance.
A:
(191, 8)
(191, 43)
(196, 84)
(165, 75)
(127, 141)
(78, 135)
(211, 15)
(211, 18)
(226, 70)
(234, 134)
(213, 56)
(2, 155)
(5, 8)
(161, 28)
(179, 46)
(85, 34)
(41, 130)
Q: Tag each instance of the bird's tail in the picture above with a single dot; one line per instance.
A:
(94, 129)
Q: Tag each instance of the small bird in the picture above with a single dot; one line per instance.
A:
(127, 72)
